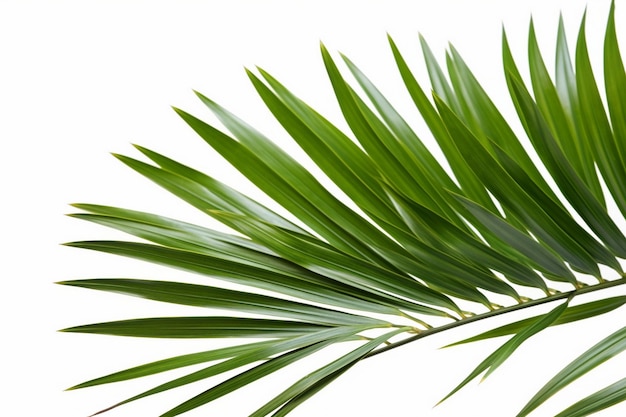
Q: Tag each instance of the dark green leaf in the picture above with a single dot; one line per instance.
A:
(198, 327)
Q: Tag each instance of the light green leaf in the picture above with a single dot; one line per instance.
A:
(598, 401)
(599, 353)
(307, 393)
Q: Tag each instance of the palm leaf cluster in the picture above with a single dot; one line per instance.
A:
(429, 248)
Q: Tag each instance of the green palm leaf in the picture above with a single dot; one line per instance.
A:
(417, 250)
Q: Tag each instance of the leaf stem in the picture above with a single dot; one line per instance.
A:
(532, 303)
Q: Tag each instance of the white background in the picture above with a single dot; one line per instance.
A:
(80, 79)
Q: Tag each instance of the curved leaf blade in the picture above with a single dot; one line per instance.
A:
(497, 358)
(599, 353)
(598, 401)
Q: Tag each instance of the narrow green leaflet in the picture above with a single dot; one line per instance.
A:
(180, 235)
(387, 248)
(176, 362)
(200, 190)
(498, 357)
(279, 188)
(223, 196)
(598, 401)
(615, 85)
(565, 82)
(440, 84)
(568, 176)
(457, 277)
(565, 78)
(599, 353)
(552, 109)
(615, 79)
(172, 231)
(214, 297)
(199, 327)
(334, 152)
(561, 217)
(310, 391)
(596, 124)
(214, 197)
(245, 378)
(571, 314)
(378, 142)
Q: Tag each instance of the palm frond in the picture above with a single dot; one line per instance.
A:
(414, 252)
